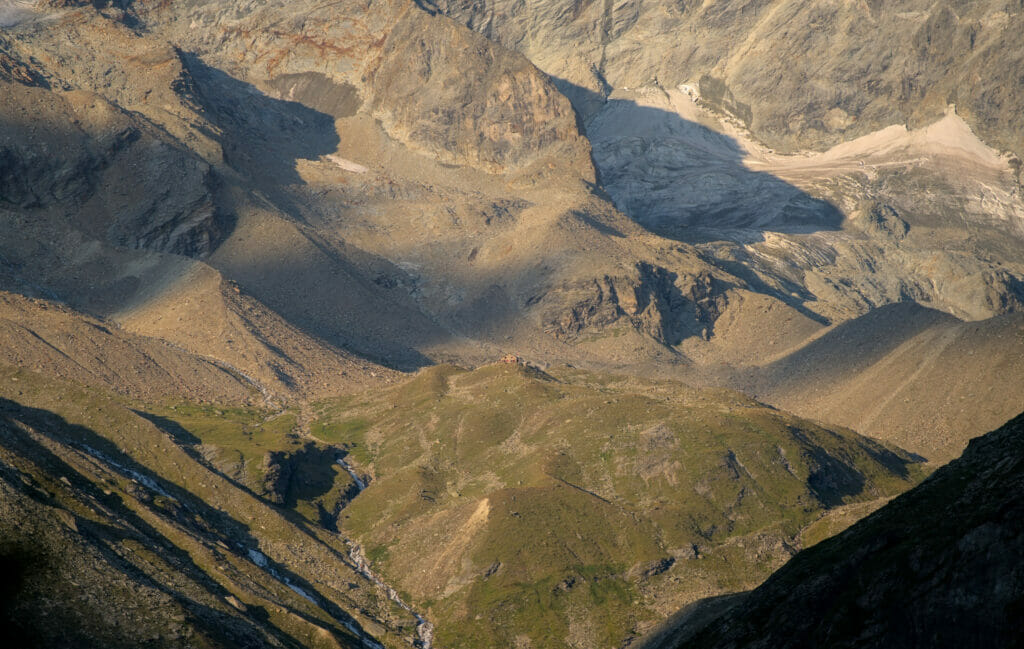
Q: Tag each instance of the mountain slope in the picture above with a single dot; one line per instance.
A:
(353, 204)
(122, 530)
(940, 566)
(857, 178)
(213, 213)
(51, 339)
(929, 384)
(575, 508)
(315, 200)
(766, 60)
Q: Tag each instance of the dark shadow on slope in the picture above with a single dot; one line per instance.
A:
(832, 480)
(312, 473)
(188, 444)
(306, 473)
(174, 430)
(939, 567)
(327, 296)
(104, 538)
(689, 620)
(329, 285)
(185, 511)
(789, 292)
(261, 137)
(593, 222)
(684, 181)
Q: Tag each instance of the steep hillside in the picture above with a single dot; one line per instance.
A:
(940, 566)
(118, 530)
(53, 340)
(574, 509)
(929, 385)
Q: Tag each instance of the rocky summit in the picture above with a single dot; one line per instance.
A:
(454, 324)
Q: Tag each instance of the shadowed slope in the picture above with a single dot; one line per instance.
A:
(139, 540)
(941, 566)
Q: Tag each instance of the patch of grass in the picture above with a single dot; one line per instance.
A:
(377, 553)
(263, 451)
(349, 433)
(240, 438)
(596, 596)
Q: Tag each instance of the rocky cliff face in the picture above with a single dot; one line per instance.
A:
(839, 157)
(131, 185)
(799, 74)
(434, 85)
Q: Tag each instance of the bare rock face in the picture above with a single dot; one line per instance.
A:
(690, 106)
(432, 83)
(498, 114)
(653, 300)
(131, 185)
(798, 74)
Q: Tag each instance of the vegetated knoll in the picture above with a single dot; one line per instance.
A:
(940, 566)
(265, 452)
(572, 508)
(117, 532)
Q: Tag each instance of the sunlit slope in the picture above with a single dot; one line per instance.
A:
(573, 507)
(911, 376)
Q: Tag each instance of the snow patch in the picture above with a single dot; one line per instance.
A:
(15, 12)
(309, 598)
(258, 558)
(144, 480)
